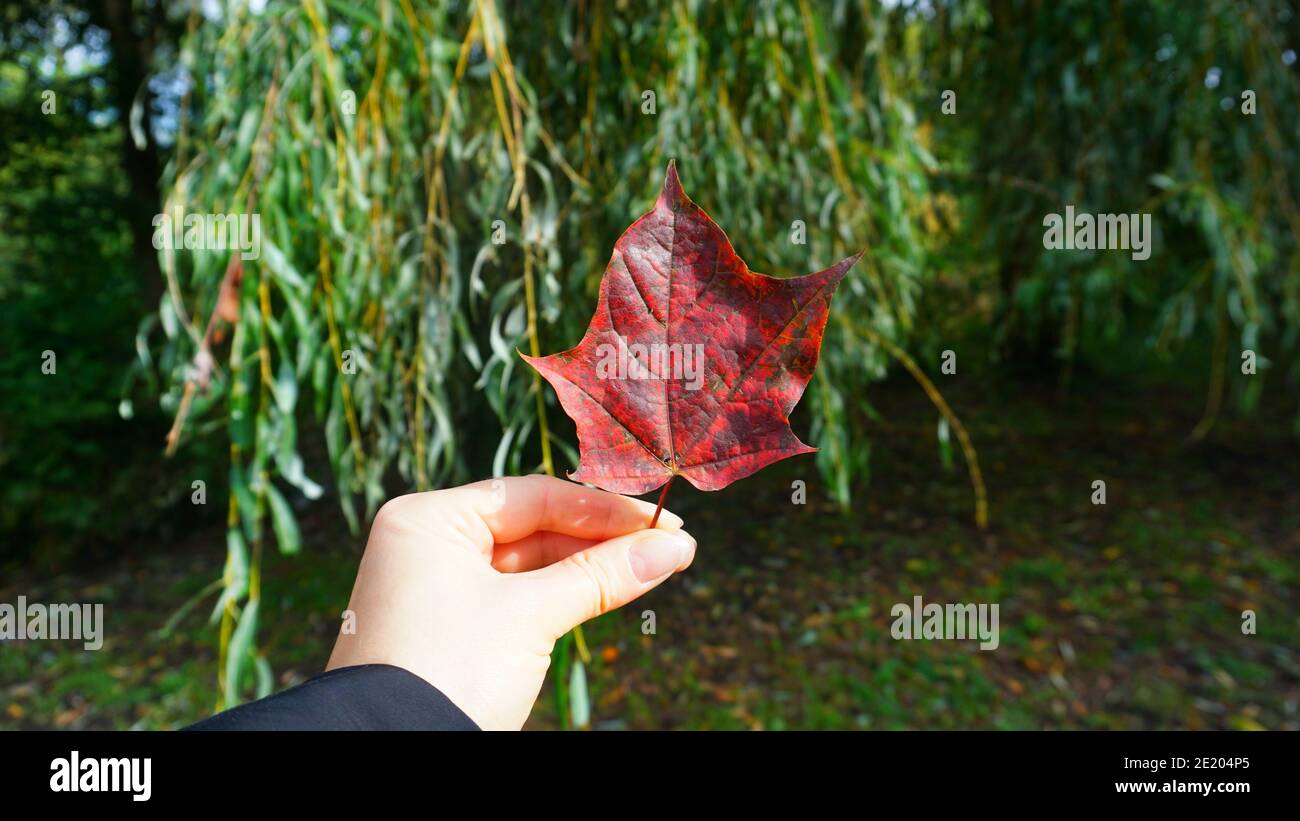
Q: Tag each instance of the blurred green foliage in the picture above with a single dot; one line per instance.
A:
(1132, 108)
(67, 286)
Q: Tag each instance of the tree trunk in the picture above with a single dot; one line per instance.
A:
(128, 74)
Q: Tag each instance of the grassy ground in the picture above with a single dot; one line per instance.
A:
(1126, 615)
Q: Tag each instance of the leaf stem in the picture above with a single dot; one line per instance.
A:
(662, 496)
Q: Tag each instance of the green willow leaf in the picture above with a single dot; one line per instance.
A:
(283, 522)
(239, 654)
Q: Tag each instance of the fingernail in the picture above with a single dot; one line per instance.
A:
(658, 553)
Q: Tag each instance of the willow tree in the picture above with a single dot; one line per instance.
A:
(1183, 112)
(440, 184)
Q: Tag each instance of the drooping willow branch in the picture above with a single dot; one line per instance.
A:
(963, 438)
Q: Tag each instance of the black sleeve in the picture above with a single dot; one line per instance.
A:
(367, 697)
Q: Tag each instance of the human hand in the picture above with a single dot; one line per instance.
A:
(469, 587)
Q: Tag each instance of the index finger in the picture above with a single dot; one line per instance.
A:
(513, 507)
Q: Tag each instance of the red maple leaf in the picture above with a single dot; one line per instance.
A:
(693, 362)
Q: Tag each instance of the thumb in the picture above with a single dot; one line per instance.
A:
(606, 576)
